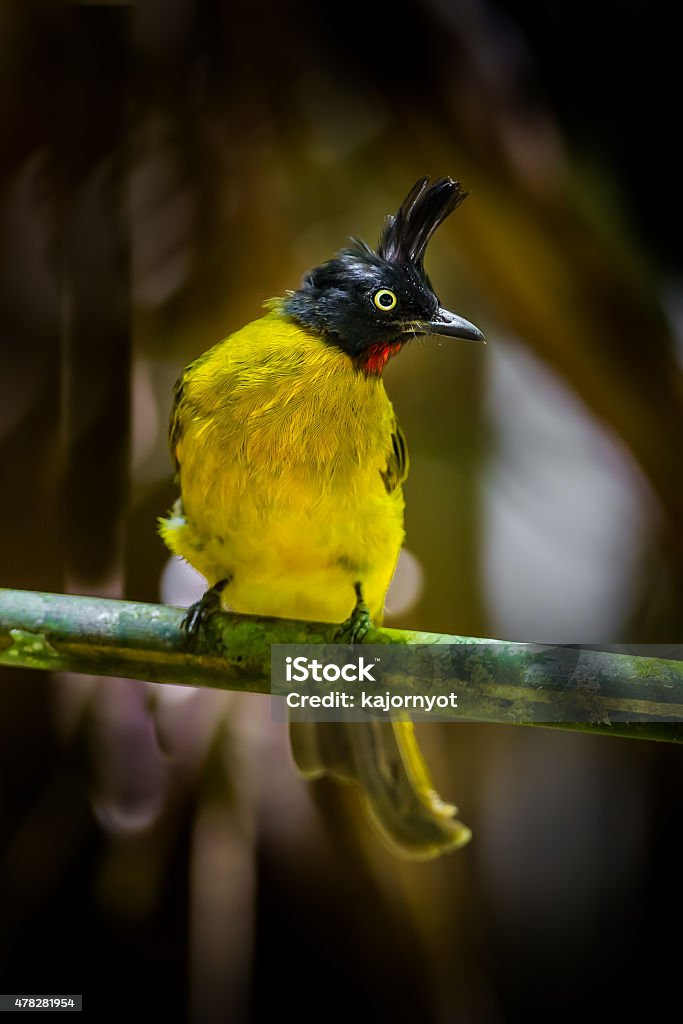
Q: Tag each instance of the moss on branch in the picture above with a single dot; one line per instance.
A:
(97, 636)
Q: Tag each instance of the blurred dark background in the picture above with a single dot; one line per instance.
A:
(166, 165)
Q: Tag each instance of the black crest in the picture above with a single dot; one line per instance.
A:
(406, 234)
(342, 299)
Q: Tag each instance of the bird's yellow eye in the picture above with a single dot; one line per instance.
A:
(384, 300)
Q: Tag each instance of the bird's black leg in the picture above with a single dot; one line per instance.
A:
(197, 614)
(356, 626)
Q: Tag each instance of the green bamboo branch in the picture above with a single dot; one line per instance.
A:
(502, 681)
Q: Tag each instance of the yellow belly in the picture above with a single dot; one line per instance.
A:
(281, 451)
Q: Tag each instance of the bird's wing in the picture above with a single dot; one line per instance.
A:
(175, 427)
(398, 463)
(178, 408)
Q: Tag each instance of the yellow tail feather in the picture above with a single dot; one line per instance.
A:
(384, 759)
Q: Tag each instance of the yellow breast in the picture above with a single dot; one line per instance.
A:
(282, 446)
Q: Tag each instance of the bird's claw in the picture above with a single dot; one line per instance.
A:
(201, 611)
(355, 628)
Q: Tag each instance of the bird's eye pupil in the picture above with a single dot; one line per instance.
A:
(385, 299)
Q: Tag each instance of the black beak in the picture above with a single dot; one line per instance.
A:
(450, 325)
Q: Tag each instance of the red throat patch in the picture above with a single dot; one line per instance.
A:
(377, 356)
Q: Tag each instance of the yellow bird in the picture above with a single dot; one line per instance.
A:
(290, 463)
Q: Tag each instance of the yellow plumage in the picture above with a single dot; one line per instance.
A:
(284, 450)
(290, 463)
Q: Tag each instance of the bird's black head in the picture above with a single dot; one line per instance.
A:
(369, 303)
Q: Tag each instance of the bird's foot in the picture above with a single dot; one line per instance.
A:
(201, 611)
(358, 623)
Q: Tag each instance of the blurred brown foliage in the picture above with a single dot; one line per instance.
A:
(165, 167)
